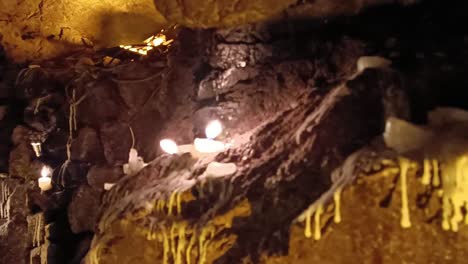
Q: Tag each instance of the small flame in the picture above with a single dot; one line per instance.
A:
(45, 172)
(151, 42)
(213, 129)
(169, 146)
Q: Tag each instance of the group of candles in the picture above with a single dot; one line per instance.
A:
(203, 147)
(199, 148)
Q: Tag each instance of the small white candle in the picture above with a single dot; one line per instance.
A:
(135, 163)
(205, 145)
(45, 182)
(169, 146)
(201, 146)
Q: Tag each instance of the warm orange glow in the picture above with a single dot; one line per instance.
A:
(151, 42)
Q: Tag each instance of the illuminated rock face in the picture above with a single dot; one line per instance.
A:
(225, 13)
(43, 29)
(219, 13)
(36, 30)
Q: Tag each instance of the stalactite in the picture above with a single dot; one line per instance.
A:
(5, 195)
(435, 171)
(341, 177)
(405, 218)
(426, 178)
(337, 200)
(4, 230)
(35, 229)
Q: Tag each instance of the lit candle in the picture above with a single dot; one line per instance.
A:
(201, 146)
(209, 145)
(45, 182)
(169, 146)
(205, 145)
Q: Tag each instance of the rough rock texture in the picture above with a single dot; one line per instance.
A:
(278, 90)
(14, 240)
(35, 30)
(286, 154)
(44, 29)
(100, 174)
(87, 146)
(222, 13)
(9, 108)
(83, 209)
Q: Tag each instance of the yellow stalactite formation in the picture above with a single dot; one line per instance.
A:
(318, 226)
(435, 178)
(337, 200)
(455, 191)
(170, 206)
(179, 203)
(308, 231)
(426, 178)
(405, 217)
(188, 253)
(165, 246)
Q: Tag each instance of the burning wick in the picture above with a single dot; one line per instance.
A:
(209, 145)
(37, 148)
(45, 182)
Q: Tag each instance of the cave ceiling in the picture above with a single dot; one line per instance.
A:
(34, 30)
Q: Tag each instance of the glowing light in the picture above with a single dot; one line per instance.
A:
(169, 146)
(37, 148)
(204, 145)
(149, 44)
(45, 172)
(45, 182)
(213, 129)
(108, 186)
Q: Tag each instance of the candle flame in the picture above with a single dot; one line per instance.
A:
(213, 129)
(169, 146)
(151, 42)
(45, 172)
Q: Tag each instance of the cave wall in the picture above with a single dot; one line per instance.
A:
(38, 30)
(261, 80)
(44, 29)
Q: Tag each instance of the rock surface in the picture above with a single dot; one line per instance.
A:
(266, 174)
(284, 95)
(14, 239)
(83, 209)
(87, 146)
(100, 174)
(40, 30)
